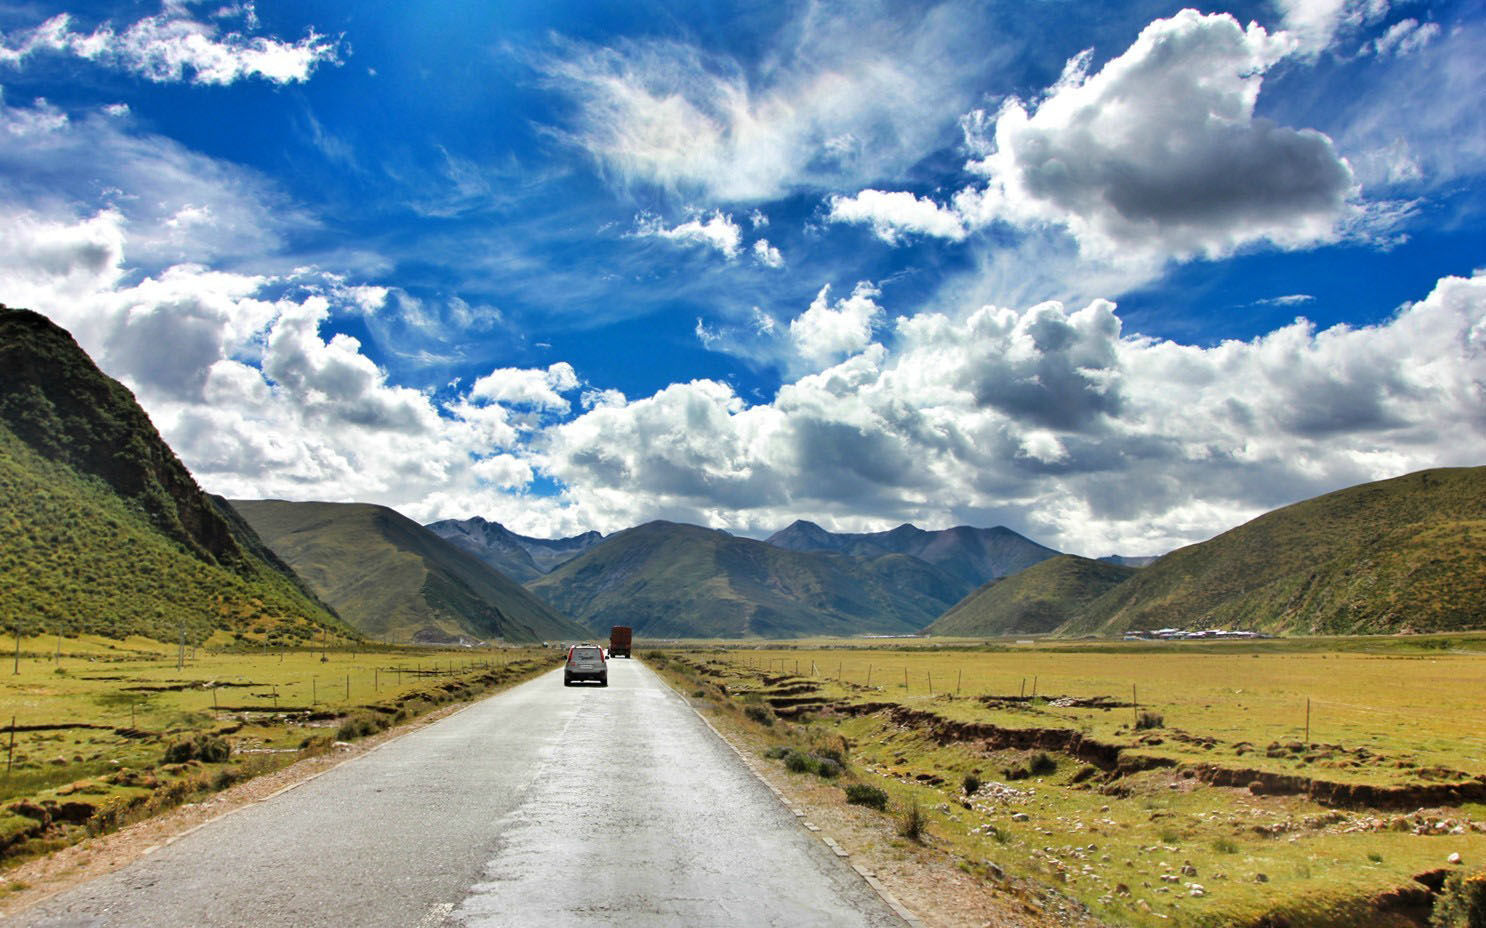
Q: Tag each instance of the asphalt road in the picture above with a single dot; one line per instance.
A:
(543, 805)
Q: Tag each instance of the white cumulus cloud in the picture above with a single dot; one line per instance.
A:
(541, 389)
(171, 47)
(717, 231)
(767, 254)
(894, 214)
(824, 333)
(1157, 155)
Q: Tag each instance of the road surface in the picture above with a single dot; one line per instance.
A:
(543, 805)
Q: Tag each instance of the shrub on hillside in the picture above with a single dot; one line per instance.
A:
(1150, 720)
(359, 726)
(861, 794)
(759, 714)
(800, 762)
(205, 748)
(1461, 902)
(971, 784)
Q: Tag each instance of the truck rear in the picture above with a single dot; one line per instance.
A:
(619, 639)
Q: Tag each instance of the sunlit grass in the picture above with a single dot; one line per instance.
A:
(93, 717)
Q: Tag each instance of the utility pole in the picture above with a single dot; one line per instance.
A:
(180, 655)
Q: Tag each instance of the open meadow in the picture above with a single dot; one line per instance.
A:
(1154, 784)
(97, 733)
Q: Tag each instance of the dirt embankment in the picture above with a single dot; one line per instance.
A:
(1118, 760)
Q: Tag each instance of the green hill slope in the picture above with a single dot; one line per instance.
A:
(682, 581)
(103, 530)
(1035, 600)
(395, 580)
(1406, 553)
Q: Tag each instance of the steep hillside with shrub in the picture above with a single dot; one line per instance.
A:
(103, 530)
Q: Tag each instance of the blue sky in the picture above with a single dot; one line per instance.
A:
(1119, 277)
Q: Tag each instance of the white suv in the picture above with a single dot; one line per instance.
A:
(585, 662)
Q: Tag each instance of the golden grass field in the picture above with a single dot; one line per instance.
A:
(93, 718)
(1393, 715)
(1429, 707)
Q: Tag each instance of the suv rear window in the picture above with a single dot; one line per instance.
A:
(585, 653)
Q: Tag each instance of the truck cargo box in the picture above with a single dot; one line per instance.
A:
(619, 641)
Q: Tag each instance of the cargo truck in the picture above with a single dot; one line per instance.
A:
(619, 638)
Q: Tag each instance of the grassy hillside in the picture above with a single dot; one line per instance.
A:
(1037, 599)
(1406, 553)
(395, 580)
(667, 580)
(975, 555)
(102, 529)
(53, 398)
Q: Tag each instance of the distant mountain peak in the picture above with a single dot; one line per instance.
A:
(519, 557)
(973, 554)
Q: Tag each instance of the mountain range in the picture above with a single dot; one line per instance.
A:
(666, 579)
(103, 530)
(517, 556)
(396, 580)
(974, 555)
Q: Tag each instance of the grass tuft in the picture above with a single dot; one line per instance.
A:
(911, 823)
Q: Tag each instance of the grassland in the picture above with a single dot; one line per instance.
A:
(99, 724)
(1223, 814)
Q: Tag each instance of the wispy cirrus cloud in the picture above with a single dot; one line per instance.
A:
(853, 90)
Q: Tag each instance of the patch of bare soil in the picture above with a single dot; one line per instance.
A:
(35, 880)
